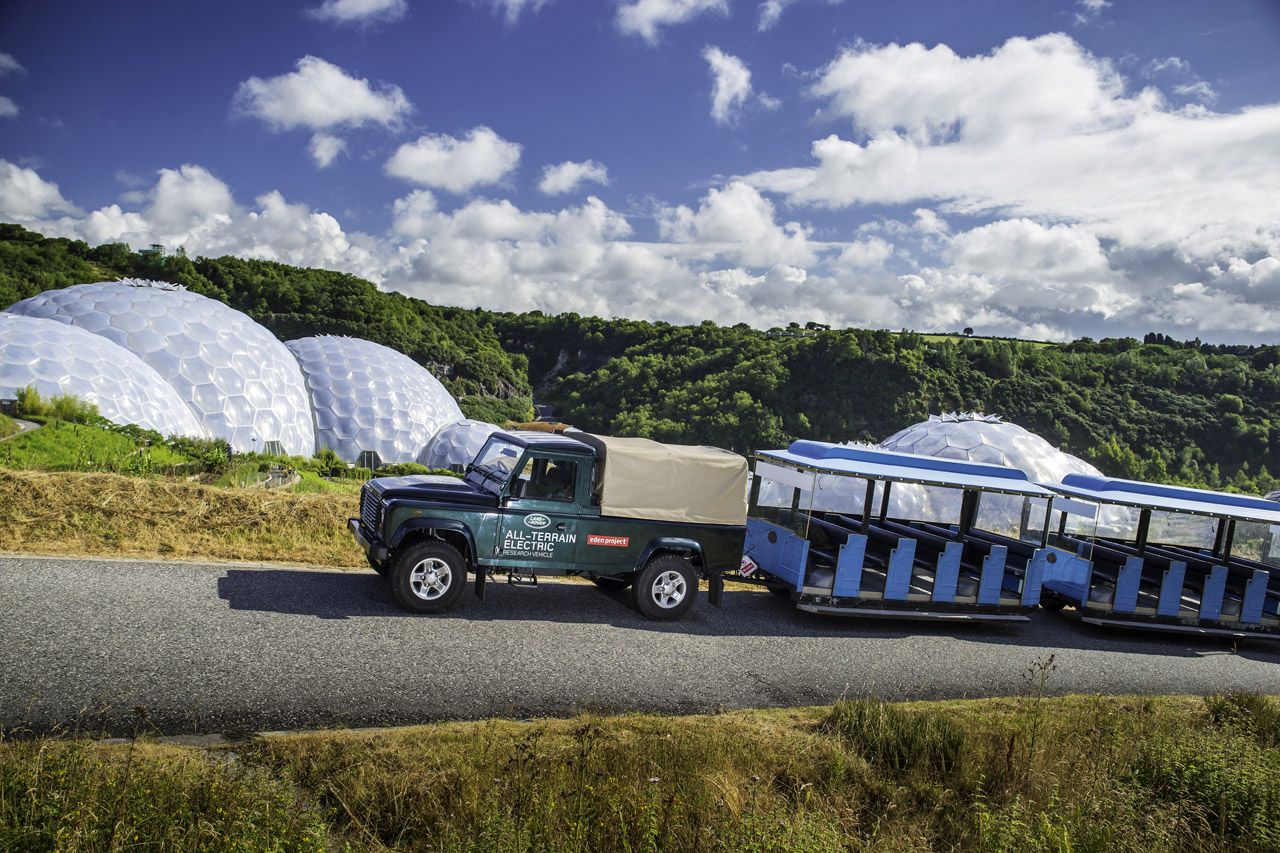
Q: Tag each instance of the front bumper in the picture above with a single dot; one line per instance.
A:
(374, 550)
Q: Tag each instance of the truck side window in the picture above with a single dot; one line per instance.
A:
(549, 479)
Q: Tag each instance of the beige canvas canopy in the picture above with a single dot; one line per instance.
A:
(671, 482)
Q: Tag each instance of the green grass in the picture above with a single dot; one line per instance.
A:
(1077, 773)
(313, 483)
(64, 446)
(7, 426)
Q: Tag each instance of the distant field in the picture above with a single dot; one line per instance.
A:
(114, 515)
(1071, 773)
(958, 338)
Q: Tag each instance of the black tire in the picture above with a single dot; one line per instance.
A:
(380, 568)
(417, 586)
(1053, 603)
(668, 579)
(612, 583)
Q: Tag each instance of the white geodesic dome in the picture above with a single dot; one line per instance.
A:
(58, 359)
(367, 397)
(975, 437)
(455, 445)
(238, 380)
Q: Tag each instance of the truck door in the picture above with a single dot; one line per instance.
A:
(539, 520)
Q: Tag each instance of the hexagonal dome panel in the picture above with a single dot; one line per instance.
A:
(456, 444)
(196, 344)
(59, 359)
(368, 397)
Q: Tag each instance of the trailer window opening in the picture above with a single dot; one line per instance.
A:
(1020, 517)
(783, 496)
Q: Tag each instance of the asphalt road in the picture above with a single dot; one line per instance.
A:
(219, 648)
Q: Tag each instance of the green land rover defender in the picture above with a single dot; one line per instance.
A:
(620, 511)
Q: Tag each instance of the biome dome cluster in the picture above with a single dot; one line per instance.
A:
(162, 357)
(241, 383)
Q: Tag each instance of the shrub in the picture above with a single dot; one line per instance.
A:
(1250, 713)
(892, 739)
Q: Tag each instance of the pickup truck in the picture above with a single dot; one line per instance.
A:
(622, 512)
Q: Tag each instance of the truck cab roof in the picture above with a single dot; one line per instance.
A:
(546, 441)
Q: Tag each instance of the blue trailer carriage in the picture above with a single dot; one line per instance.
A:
(865, 532)
(1166, 557)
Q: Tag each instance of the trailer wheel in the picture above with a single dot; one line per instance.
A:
(428, 577)
(612, 583)
(666, 588)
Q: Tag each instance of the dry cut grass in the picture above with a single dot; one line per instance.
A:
(113, 515)
(1076, 773)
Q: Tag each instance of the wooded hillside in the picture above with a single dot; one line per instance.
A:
(1155, 409)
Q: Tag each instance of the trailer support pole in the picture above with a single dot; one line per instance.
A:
(884, 500)
(866, 505)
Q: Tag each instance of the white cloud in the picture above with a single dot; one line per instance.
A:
(1089, 11)
(359, 11)
(1197, 91)
(738, 224)
(731, 86)
(731, 83)
(1178, 74)
(1040, 128)
(771, 11)
(8, 109)
(568, 176)
(325, 148)
(319, 95)
(457, 165)
(730, 256)
(9, 65)
(26, 198)
(645, 18)
(511, 10)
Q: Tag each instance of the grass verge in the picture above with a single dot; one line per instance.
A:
(63, 445)
(8, 426)
(1072, 773)
(114, 515)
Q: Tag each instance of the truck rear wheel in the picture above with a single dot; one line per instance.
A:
(666, 588)
(428, 577)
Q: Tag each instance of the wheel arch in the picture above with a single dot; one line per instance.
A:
(679, 546)
(449, 530)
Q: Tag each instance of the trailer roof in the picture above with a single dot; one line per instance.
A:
(875, 464)
(1169, 498)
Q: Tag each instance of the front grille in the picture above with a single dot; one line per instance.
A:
(369, 509)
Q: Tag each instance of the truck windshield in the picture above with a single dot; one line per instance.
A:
(495, 462)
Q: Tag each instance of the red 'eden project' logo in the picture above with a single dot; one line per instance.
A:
(609, 541)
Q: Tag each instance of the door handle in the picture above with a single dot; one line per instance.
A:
(562, 526)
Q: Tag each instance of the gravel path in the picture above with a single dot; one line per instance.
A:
(214, 648)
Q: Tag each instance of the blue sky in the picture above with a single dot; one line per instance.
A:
(1046, 169)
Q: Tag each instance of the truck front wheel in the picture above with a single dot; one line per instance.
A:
(666, 588)
(428, 577)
